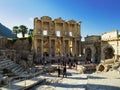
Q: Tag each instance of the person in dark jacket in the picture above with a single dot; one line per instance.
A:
(64, 71)
(58, 69)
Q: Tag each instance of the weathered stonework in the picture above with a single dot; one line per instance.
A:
(92, 47)
(3, 42)
(56, 37)
(110, 43)
(107, 46)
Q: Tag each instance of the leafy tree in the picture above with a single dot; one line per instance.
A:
(16, 30)
(23, 29)
(30, 32)
(119, 36)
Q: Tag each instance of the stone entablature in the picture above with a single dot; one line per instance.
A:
(57, 37)
(70, 28)
(92, 38)
(113, 35)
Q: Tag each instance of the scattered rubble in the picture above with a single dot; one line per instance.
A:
(86, 68)
(109, 64)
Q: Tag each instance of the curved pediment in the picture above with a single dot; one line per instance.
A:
(72, 21)
(59, 19)
(46, 18)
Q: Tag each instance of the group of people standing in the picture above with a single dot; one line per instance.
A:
(62, 70)
(62, 64)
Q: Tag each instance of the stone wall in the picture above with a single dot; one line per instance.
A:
(17, 50)
(3, 43)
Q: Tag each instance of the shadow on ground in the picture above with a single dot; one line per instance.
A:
(101, 87)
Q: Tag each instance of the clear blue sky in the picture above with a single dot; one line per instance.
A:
(97, 16)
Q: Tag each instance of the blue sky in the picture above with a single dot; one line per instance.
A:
(97, 16)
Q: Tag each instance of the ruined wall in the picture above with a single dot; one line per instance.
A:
(4, 43)
(107, 45)
(92, 48)
(110, 40)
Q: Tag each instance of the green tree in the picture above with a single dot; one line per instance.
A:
(30, 33)
(23, 29)
(16, 30)
(118, 35)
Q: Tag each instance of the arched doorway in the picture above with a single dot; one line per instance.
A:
(109, 53)
(88, 52)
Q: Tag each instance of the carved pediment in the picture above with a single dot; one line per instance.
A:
(72, 21)
(46, 18)
(59, 19)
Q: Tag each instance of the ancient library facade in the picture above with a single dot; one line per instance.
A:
(56, 37)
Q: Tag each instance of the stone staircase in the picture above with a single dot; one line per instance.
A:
(12, 66)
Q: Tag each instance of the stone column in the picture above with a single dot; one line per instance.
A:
(79, 46)
(68, 41)
(68, 28)
(66, 46)
(42, 47)
(49, 27)
(49, 46)
(75, 47)
(93, 53)
(55, 26)
(63, 47)
(35, 45)
(55, 47)
(42, 25)
(35, 25)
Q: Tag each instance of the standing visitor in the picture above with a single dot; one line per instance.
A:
(58, 69)
(64, 71)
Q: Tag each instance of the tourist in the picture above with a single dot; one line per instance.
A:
(58, 69)
(76, 66)
(64, 71)
(45, 62)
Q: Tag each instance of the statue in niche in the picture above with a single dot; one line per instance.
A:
(39, 31)
(77, 32)
(51, 31)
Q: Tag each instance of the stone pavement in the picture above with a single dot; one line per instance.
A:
(74, 81)
(23, 84)
(102, 81)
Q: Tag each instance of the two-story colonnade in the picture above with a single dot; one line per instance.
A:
(56, 37)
